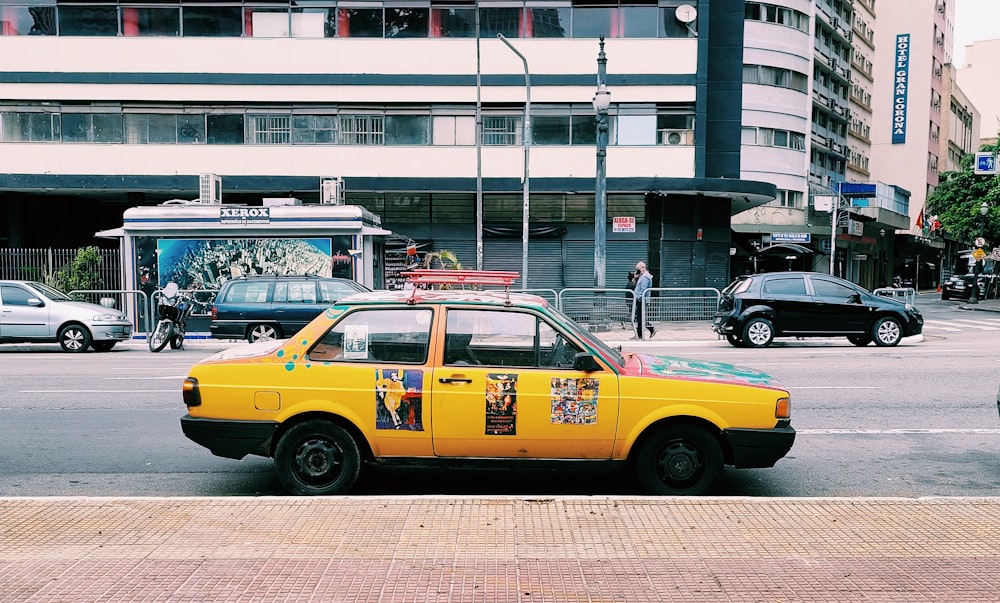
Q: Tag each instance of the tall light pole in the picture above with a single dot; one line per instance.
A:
(527, 146)
(882, 254)
(602, 100)
(979, 243)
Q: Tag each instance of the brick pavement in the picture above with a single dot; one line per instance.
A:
(498, 549)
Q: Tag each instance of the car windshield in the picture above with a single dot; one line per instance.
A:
(49, 292)
(605, 349)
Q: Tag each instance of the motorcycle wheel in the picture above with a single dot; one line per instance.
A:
(177, 341)
(162, 334)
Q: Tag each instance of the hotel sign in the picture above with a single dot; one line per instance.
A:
(901, 84)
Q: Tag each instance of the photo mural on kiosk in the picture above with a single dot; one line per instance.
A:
(207, 263)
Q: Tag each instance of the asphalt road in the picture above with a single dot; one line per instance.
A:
(916, 420)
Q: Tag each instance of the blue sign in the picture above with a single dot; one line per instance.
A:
(986, 163)
(790, 237)
(901, 83)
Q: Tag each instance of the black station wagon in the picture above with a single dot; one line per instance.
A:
(754, 309)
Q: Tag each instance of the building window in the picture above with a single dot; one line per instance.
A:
(454, 130)
(270, 129)
(314, 129)
(550, 129)
(789, 199)
(406, 22)
(30, 127)
(501, 130)
(407, 129)
(92, 127)
(88, 20)
(143, 21)
(212, 21)
(362, 129)
(225, 129)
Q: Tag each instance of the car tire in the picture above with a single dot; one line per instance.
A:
(681, 460)
(74, 338)
(317, 458)
(758, 332)
(887, 331)
(859, 340)
(102, 346)
(263, 332)
(945, 296)
(162, 334)
(735, 341)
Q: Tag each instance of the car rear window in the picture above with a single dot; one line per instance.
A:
(793, 285)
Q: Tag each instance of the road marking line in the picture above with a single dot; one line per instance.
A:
(973, 324)
(144, 378)
(835, 387)
(935, 324)
(891, 431)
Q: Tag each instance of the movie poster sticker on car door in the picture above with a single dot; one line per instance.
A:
(574, 401)
(399, 399)
(501, 404)
(356, 342)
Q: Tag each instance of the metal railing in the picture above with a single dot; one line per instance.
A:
(598, 309)
(133, 302)
(678, 304)
(905, 294)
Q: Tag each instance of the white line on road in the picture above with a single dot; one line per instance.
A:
(939, 325)
(973, 324)
(835, 387)
(890, 431)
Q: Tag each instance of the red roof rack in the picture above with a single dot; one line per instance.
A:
(461, 277)
(428, 277)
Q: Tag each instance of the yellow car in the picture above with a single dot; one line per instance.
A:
(438, 375)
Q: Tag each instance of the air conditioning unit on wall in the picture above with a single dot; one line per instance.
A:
(210, 189)
(331, 191)
(676, 137)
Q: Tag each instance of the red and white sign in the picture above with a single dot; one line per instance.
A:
(623, 224)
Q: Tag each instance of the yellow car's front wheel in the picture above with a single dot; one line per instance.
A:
(317, 457)
(679, 460)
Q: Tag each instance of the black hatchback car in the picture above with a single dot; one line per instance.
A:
(754, 309)
(259, 308)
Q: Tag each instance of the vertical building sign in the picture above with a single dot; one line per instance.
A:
(901, 83)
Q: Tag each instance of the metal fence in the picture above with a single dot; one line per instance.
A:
(44, 264)
(677, 304)
(905, 295)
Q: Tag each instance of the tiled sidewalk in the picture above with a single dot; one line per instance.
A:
(452, 549)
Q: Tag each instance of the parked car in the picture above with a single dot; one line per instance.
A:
(33, 312)
(959, 284)
(265, 307)
(439, 376)
(754, 309)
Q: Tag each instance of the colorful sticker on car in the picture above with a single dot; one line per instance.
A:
(399, 399)
(667, 366)
(501, 404)
(574, 401)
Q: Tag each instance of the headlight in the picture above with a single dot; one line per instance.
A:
(107, 317)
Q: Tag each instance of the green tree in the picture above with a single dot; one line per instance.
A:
(83, 272)
(957, 199)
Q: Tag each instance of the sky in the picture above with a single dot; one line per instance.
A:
(975, 20)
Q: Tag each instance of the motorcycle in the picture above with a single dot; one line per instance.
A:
(172, 312)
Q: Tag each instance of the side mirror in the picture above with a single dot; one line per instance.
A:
(34, 301)
(585, 362)
(855, 298)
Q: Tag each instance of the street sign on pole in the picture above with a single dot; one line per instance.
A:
(986, 164)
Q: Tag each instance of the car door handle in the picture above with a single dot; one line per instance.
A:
(455, 380)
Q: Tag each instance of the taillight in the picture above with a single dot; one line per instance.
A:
(192, 396)
(783, 408)
(215, 313)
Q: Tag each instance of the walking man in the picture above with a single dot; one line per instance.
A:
(644, 280)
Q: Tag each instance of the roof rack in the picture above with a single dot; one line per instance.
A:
(460, 277)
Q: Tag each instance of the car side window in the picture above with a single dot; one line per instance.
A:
(496, 338)
(792, 285)
(14, 296)
(825, 288)
(379, 335)
(247, 292)
(331, 292)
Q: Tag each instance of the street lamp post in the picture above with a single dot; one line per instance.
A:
(527, 149)
(882, 254)
(978, 266)
(602, 100)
